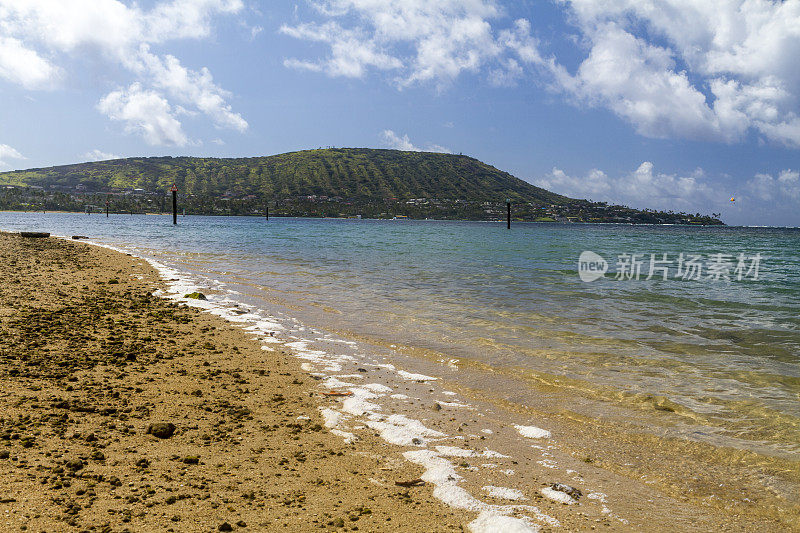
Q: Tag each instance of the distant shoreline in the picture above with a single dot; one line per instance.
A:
(279, 215)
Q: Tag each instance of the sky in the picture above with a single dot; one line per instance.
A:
(670, 104)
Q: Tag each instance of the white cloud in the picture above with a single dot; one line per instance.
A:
(392, 140)
(184, 19)
(700, 69)
(7, 152)
(352, 52)
(691, 68)
(507, 74)
(190, 87)
(98, 155)
(642, 188)
(146, 113)
(438, 148)
(764, 197)
(254, 31)
(638, 82)
(24, 66)
(786, 187)
(120, 34)
(420, 41)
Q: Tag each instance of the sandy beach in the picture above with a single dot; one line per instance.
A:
(125, 411)
(90, 361)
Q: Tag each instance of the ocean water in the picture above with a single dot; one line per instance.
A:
(718, 360)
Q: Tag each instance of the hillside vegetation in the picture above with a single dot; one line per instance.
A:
(349, 173)
(324, 182)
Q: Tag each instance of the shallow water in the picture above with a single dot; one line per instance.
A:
(721, 358)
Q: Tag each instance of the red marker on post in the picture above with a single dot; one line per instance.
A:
(174, 205)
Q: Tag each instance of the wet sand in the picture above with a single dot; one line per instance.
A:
(90, 359)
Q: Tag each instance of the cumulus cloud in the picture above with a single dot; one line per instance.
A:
(99, 155)
(352, 52)
(7, 152)
(144, 112)
(784, 187)
(417, 41)
(192, 88)
(24, 66)
(765, 196)
(691, 69)
(643, 187)
(392, 140)
(39, 33)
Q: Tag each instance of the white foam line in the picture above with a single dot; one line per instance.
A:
(532, 432)
(414, 377)
(403, 431)
(442, 474)
(348, 437)
(331, 417)
(359, 404)
(453, 451)
(377, 387)
(493, 522)
(503, 493)
(558, 496)
(455, 404)
(396, 429)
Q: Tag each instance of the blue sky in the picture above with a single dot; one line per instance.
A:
(670, 104)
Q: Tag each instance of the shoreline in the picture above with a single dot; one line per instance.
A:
(88, 366)
(498, 221)
(460, 446)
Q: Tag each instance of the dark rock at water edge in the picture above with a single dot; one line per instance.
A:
(196, 296)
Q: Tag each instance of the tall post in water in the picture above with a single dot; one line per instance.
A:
(107, 202)
(266, 210)
(508, 213)
(174, 205)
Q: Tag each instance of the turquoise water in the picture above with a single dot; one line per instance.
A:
(721, 357)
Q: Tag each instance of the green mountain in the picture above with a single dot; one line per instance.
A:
(350, 173)
(325, 182)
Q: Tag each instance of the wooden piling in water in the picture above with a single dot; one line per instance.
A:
(174, 205)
